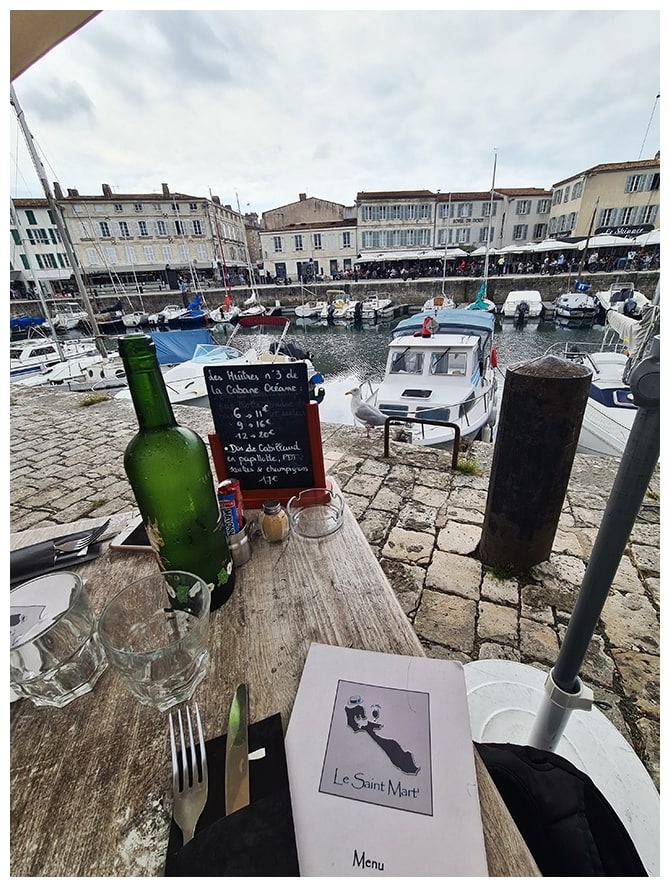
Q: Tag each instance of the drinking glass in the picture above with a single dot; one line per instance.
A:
(155, 634)
(55, 652)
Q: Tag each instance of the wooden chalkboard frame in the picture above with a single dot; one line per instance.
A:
(254, 497)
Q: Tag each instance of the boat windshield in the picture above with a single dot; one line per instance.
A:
(448, 363)
(406, 361)
(215, 353)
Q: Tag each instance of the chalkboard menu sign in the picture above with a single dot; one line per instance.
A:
(267, 432)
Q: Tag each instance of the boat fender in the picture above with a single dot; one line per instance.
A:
(316, 393)
(494, 358)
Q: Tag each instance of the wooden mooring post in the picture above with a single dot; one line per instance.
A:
(540, 418)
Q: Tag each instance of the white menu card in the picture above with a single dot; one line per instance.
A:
(381, 767)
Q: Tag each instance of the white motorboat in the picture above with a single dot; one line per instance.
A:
(336, 305)
(90, 372)
(610, 409)
(379, 307)
(168, 313)
(441, 367)
(69, 316)
(185, 381)
(576, 309)
(521, 304)
(624, 298)
(135, 319)
(32, 356)
(310, 309)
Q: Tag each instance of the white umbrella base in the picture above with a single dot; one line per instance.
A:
(504, 699)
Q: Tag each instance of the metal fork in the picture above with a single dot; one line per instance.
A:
(189, 772)
(70, 546)
(73, 545)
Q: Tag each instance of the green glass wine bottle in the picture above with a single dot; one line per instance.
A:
(168, 468)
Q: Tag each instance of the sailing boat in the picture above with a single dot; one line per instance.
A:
(91, 370)
(252, 306)
(441, 301)
(481, 302)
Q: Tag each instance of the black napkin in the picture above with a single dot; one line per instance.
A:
(38, 559)
(258, 840)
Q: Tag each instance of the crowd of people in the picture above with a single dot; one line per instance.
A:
(510, 263)
(470, 266)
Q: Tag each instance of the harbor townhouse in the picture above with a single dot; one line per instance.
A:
(126, 240)
(37, 258)
(615, 198)
(138, 238)
(307, 239)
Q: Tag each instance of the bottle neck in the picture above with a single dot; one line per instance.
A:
(146, 383)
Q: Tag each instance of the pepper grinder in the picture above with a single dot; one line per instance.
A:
(274, 521)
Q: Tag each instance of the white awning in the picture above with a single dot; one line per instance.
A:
(651, 238)
(550, 246)
(411, 255)
(604, 241)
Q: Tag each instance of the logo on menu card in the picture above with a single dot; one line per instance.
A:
(378, 748)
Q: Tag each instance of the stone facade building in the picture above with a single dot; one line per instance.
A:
(140, 238)
(126, 240)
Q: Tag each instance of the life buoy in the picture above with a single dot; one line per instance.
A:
(426, 330)
(494, 358)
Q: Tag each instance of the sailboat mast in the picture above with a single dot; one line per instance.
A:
(252, 279)
(59, 220)
(214, 222)
(488, 231)
(588, 237)
(446, 244)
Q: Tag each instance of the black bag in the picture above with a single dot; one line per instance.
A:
(569, 826)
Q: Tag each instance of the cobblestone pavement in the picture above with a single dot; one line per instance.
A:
(423, 521)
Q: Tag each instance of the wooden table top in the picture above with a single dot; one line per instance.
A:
(90, 783)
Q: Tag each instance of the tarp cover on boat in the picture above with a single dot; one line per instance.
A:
(179, 345)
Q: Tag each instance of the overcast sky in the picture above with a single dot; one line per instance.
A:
(265, 105)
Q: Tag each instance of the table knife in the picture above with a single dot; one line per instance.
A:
(237, 752)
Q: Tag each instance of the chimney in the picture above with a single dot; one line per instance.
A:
(72, 192)
(302, 196)
(166, 190)
(216, 200)
(57, 191)
(107, 192)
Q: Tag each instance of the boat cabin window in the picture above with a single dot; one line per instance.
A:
(448, 363)
(406, 361)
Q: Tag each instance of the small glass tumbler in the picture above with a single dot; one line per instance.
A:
(154, 632)
(55, 652)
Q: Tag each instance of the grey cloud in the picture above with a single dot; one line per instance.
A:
(61, 102)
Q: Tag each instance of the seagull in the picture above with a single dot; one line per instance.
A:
(365, 413)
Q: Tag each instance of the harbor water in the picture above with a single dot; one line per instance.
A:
(354, 355)
(350, 355)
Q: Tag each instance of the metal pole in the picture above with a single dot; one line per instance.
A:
(60, 222)
(563, 691)
(637, 466)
